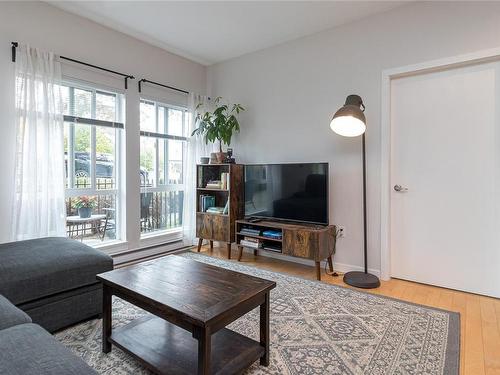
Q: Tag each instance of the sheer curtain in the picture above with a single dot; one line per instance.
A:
(39, 204)
(196, 148)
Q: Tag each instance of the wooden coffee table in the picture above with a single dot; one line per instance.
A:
(192, 303)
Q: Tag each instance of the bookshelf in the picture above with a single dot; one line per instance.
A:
(218, 207)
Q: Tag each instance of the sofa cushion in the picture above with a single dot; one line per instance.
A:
(38, 268)
(10, 315)
(30, 350)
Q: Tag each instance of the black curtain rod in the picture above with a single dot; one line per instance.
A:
(159, 84)
(125, 76)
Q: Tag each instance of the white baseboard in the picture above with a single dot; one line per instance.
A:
(339, 267)
(130, 256)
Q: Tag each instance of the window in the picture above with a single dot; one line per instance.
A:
(163, 143)
(93, 123)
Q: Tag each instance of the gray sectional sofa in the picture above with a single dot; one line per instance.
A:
(49, 283)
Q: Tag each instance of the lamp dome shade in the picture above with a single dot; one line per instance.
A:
(350, 121)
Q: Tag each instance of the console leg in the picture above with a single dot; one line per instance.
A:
(200, 242)
(318, 271)
(228, 251)
(211, 245)
(240, 252)
(330, 263)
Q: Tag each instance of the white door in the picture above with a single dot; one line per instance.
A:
(445, 149)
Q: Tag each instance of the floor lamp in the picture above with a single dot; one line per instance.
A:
(350, 121)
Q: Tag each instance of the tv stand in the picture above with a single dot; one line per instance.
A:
(307, 241)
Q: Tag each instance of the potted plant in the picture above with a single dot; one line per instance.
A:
(218, 125)
(84, 205)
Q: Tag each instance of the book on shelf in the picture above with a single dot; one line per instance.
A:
(215, 210)
(251, 239)
(250, 231)
(274, 248)
(275, 234)
(215, 184)
(252, 244)
(206, 201)
(224, 178)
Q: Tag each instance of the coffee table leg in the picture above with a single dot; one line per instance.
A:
(204, 349)
(106, 318)
(264, 330)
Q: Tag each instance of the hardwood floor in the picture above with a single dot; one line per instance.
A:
(479, 316)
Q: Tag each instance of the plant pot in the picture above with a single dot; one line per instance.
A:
(85, 212)
(220, 157)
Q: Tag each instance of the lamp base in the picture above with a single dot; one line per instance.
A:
(361, 280)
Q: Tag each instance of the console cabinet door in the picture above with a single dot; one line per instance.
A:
(300, 243)
(213, 227)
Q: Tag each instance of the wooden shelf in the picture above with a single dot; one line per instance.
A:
(212, 213)
(215, 165)
(211, 189)
(259, 237)
(167, 349)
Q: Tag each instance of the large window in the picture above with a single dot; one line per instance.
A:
(163, 142)
(93, 122)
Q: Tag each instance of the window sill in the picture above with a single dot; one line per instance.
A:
(112, 247)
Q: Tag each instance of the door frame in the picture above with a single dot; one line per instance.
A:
(388, 75)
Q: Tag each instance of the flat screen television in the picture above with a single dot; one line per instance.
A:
(291, 192)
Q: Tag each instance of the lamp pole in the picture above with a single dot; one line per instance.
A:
(350, 121)
(365, 240)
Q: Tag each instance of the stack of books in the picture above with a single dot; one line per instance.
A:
(215, 184)
(206, 201)
(274, 234)
(250, 231)
(215, 210)
(254, 243)
(272, 247)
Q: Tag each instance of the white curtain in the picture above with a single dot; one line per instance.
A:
(196, 148)
(39, 204)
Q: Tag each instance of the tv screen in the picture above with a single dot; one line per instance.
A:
(296, 192)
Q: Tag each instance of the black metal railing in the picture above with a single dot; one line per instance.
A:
(159, 210)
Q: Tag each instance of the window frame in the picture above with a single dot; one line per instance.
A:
(171, 233)
(70, 121)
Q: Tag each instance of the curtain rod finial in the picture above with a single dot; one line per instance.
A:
(14, 46)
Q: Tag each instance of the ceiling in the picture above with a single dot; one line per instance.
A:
(213, 31)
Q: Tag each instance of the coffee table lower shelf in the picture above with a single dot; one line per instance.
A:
(165, 348)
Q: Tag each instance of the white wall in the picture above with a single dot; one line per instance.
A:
(291, 91)
(49, 28)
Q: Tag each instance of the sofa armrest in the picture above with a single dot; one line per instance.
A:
(10, 315)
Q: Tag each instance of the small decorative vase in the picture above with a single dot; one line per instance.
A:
(204, 160)
(85, 212)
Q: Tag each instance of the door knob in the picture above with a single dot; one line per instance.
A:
(400, 188)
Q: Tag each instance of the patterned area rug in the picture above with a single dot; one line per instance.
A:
(316, 328)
